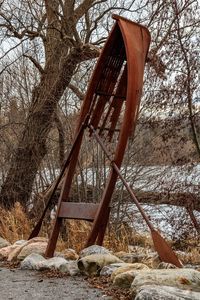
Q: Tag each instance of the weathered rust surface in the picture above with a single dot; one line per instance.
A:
(78, 211)
(112, 103)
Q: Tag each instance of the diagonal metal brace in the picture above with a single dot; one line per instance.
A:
(161, 246)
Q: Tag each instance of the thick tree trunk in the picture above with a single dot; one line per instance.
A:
(32, 144)
(63, 51)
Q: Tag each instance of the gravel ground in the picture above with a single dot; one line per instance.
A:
(28, 285)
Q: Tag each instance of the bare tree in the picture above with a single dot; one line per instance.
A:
(56, 36)
(55, 26)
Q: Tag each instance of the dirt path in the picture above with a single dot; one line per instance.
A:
(28, 285)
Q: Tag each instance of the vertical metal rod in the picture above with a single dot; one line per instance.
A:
(102, 230)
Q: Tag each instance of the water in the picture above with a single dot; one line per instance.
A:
(184, 178)
(169, 219)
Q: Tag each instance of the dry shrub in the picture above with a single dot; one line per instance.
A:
(142, 240)
(191, 256)
(75, 235)
(194, 256)
(117, 240)
(14, 224)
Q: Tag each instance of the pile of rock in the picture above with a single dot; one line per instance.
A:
(146, 277)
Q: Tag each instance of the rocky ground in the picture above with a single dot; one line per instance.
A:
(137, 275)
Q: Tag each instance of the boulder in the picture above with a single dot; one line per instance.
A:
(15, 252)
(125, 279)
(192, 266)
(154, 292)
(164, 265)
(108, 270)
(13, 255)
(94, 249)
(34, 261)
(36, 247)
(92, 264)
(70, 254)
(128, 267)
(4, 252)
(37, 239)
(55, 263)
(4, 243)
(130, 257)
(180, 278)
(20, 242)
(73, 268)
(62, 265)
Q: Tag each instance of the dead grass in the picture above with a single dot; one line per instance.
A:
(192, 256)
(76, 232)
(15, 225)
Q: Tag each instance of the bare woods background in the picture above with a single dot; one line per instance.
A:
(48, 51)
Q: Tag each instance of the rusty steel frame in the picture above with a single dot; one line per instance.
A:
(127, 44)
(117, 80)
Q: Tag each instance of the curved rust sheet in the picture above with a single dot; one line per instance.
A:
(135, 39)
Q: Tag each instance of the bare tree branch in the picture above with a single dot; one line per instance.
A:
(20, 35)
(35, 62)
(82, 9)
(188, 87)
(76, 91)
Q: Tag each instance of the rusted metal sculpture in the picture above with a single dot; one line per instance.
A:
(111, 105)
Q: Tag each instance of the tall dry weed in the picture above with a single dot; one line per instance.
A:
(75, 235)
(14, 224)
